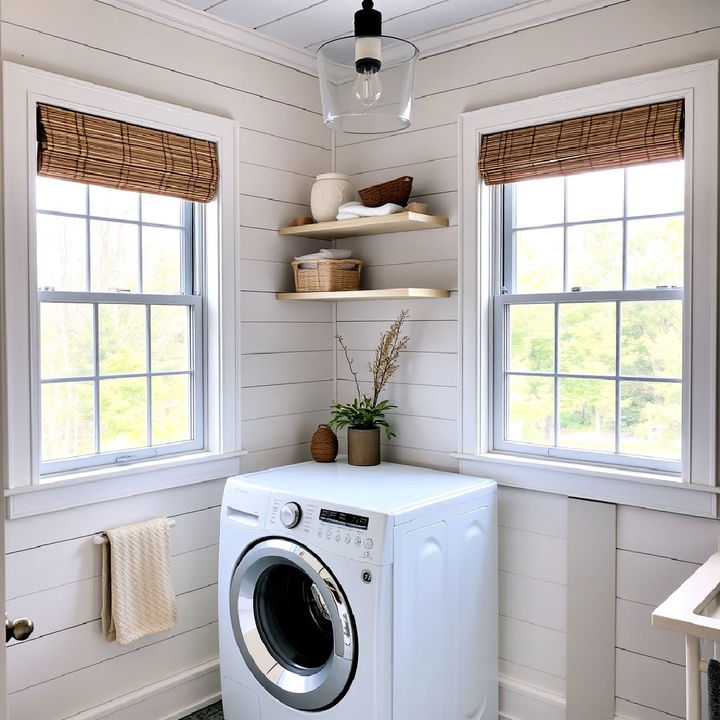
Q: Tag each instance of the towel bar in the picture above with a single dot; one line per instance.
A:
(101, 538)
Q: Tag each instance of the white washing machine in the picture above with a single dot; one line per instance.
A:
(358, 593)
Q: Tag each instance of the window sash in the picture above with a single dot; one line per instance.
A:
(500, 308)
(191, 272)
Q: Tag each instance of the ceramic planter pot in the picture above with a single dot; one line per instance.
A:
(329, 192)
(363, 446)
(324, 445)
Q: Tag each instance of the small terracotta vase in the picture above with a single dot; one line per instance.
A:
(363, 446)
(324, 445)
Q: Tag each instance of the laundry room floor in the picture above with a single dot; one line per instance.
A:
(213, 712)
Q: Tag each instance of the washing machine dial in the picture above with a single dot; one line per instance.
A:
(290, 515)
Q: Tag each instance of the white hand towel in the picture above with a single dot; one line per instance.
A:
(327, 254)
(355, 209)
(137, 593)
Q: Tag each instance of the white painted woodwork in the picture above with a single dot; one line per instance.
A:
(66, 669)
(591, 609)
(379, 225)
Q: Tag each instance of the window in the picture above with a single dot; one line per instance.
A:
(622, 260)
(588, 317)
(121, 335)
(120, 303)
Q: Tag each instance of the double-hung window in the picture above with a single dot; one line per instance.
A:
(120, 325)
(588, 316)
(119, 294)
(589, 290)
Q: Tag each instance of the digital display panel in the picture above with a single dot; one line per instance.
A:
(347, 519)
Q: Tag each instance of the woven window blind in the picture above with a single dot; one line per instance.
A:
(100, 151)
(632, 136)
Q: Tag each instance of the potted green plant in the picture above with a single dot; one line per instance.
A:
(365, 415)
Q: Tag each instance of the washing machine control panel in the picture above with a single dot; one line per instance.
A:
(339, 530)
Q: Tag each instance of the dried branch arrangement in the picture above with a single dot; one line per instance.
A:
(365, 411)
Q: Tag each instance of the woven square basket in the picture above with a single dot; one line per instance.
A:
(326, 275)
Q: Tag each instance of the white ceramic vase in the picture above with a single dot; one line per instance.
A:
(329, 192)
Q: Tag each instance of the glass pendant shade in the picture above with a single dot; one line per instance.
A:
(369, 100)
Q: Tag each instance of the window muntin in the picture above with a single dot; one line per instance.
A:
(588, 317)
(120, 326)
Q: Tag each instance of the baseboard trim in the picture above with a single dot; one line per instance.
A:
(149, 691)
(529, 699)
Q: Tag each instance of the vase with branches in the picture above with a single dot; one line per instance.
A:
(365, 415)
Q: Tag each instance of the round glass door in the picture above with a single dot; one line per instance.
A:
(293, 624)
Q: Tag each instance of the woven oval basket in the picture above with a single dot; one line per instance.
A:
(326, 275)
(393, 191)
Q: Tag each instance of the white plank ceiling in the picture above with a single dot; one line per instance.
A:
(307, 23)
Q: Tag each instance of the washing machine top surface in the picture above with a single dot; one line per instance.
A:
(388, 488)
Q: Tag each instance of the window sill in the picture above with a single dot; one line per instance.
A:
(68, 490)
(655, 491)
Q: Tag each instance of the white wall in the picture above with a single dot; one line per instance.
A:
(630, 38)
(286, 364)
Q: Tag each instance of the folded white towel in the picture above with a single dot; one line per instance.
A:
(327, 254)
(355, 210)
(137, 593)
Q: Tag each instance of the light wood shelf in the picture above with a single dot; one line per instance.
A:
(399, 222)
(389, 294)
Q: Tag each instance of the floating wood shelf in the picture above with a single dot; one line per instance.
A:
(390, 294)
(399, 222)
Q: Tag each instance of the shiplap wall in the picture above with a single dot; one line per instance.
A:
(287, 368)
(630, 38)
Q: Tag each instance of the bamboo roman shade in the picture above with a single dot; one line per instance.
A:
(100, 151)
(632, 136)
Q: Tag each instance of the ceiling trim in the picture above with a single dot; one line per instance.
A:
(531, 14)
(504, 22)
(213, 28)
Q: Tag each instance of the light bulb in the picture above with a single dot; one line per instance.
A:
(368, 87)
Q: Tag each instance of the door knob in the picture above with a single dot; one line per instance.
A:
(19, 629)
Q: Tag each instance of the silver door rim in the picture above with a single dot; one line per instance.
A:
(314, 689)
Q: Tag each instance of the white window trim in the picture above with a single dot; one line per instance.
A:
(698, 85)
(23, 88)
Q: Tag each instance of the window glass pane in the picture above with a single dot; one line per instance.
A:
(595, 195)
(60, 195)
(651, 419)
(595, 253)
(539, 261)
(162, 263)
(651, 338)
(114, 256)
(123, 413)
(539, 202)
(111, 203)
(532, 337)
(171, 409)
(656, 188)
(68, 420)
(66, 340)
(587, 338)
(530, 409)
(655, 252)
(162, 210)
(122, 339)
(587, 414)
(170, 338)
(61, 252)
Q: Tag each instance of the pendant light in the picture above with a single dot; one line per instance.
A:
(366, 80)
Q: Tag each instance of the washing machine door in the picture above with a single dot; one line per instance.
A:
(293, 624)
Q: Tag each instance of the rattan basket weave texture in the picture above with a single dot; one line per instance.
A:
(393, 191)
(326, 275)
